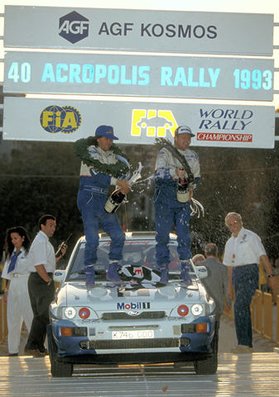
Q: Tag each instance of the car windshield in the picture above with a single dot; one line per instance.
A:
(136, 253)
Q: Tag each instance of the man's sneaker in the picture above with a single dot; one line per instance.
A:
(185, 272)
(164, 274)
(112, 273)
(240, 349)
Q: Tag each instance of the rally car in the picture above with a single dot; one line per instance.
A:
(136, 321)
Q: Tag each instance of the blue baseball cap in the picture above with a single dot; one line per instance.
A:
(183, 129)
(106, 131)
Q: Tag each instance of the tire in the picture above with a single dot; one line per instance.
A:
(209, 366)
(59, 369)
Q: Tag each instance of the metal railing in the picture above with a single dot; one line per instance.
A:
(264, 315)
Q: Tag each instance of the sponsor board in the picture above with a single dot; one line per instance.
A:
(215, 125)
(131, 75)
(139, 30)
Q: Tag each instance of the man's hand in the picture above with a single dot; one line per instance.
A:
(271, 281)
(123, 186)
(41, 270)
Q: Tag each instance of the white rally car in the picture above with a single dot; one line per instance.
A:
(139, 321)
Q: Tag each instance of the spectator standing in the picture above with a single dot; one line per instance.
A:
(243, 253)
(217, 279)
(16, 274)
(177, 173)
(42, 264)
(197, 259)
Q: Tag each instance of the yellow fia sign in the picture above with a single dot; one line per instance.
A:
(152, 123)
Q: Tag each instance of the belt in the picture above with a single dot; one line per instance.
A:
(95, 189)
(16, 275)
(49, 273)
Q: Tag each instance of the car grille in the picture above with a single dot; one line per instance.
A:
(126, 316)
(131, 344)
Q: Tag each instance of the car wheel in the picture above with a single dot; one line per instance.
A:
(209, 365)
(59, 369)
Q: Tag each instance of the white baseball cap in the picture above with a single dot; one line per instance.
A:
(183, 129)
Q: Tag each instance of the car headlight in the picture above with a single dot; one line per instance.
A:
(196, 309)
(70, 312)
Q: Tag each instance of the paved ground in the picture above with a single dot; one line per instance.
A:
(249, 375)
(227, 340)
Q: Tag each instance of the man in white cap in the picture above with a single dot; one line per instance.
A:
(177, 173)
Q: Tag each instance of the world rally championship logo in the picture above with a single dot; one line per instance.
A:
(65, 119)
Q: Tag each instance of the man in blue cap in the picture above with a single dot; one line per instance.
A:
(177, 173)
(103, 164)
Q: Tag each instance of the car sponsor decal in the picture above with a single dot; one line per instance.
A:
(132, 305)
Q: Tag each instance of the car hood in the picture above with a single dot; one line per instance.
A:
(75, 293)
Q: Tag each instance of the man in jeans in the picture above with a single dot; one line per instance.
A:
(175, 164)
(243, 252)
(102, 165)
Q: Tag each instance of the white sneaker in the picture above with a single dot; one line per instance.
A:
(242, 349)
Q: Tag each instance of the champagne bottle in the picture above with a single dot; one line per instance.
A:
(182, 193)
(117, 197)
(114, 201)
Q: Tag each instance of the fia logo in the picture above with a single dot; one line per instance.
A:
(73, 27)
(65, 119)
(153, 123)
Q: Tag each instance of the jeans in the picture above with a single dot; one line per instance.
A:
(245, 281)
(165, 219)
(91, 206)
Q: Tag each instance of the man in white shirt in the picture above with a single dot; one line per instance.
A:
(40, 284)
(243, 252)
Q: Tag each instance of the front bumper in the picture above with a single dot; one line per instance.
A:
(170, 338)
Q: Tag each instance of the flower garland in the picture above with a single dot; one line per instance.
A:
(166, 143)
(116, 170)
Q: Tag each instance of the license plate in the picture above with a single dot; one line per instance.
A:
(135, 334)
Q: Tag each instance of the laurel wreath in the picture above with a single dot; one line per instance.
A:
(116, 170)
(165, 143)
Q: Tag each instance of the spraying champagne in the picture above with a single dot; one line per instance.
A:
(117, 197)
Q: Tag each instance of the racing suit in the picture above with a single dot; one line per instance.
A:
(169, 212)
(92, 196)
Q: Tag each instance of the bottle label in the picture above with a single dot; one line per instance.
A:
(182, 196)
(110, 206)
